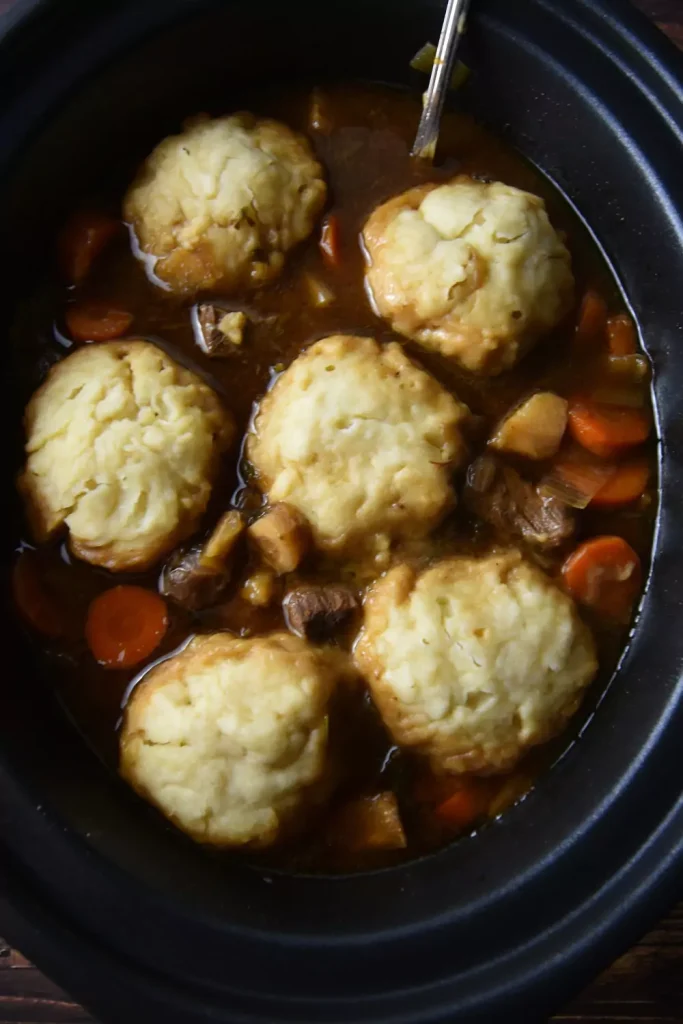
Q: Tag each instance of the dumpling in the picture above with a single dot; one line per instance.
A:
(218, 206)
(229, 738)
(473, 270)
(123, 447)
(474, 660)
(359, 440)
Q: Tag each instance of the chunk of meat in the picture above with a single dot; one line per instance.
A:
(185, 581)
(217, 331)
(315, 612)
(282, 536)
(197, 577)
(514, 507)
(535, 428)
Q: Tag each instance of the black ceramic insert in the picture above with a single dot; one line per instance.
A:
(122, 910)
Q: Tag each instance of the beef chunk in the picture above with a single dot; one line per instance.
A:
(513, 506)
(197, 577)
(218, 331)
(187, 582)
(315, 612)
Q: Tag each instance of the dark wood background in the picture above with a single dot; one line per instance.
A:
(643, 987)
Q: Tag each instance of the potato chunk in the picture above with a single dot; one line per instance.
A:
(368, 823)
(534, 428)
(259, 589)
(220, 544)
(282, 536)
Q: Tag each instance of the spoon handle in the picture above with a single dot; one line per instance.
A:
(452, 32)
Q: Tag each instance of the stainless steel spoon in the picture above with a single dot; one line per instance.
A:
(452, 32)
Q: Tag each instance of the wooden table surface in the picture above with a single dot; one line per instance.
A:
(645, 986)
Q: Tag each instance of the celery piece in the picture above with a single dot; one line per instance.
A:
(424, 60)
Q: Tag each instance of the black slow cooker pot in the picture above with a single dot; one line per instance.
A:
(121, 910)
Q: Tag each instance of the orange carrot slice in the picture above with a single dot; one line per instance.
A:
(626, 484)
(592, 321)
(96, 321)
(606, 430)
(604, 573)
(125, 625)
(82, 240)
(464, 807)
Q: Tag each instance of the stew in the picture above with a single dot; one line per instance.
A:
(556, 461)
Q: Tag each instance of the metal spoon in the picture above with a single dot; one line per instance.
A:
(452, 32)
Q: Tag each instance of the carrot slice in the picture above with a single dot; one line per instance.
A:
(592, 321)
(434, 789)
(464, 807)
(626, 484)
(621, 334)
(606, 430)
(605, 573)
(82, 240)
(124, 625)
(33, 598)
(330, 241)
(96, 321)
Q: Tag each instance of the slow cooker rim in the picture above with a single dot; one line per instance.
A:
(641, 893)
